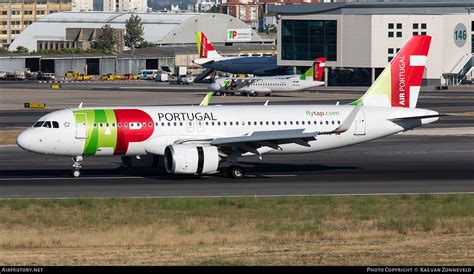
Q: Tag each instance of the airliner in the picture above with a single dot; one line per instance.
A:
(268, 84)
(256, 65)
(197, 139)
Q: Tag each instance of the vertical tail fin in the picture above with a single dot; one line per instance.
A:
(316, 70)
(399, 84)
(205, 48)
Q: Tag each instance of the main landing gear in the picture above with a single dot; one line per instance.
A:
(76, 167)
(235, 171)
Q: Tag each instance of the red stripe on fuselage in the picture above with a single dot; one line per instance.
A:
(128, 133)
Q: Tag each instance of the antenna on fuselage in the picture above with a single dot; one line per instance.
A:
(266, 103)
(80, 105)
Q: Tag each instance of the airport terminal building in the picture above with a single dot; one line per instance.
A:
(359, 39)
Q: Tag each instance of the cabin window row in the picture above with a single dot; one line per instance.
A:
(249, 123)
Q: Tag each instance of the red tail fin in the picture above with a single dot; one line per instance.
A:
(319, 68)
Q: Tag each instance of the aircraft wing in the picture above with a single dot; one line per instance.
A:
(275, 138)
(271, 138)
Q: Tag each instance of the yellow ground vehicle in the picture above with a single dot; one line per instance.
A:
(82, 77)
(72, 73)
(108, 77)
(131, 76)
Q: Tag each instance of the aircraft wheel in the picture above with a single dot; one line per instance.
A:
(235, 172)
(76, 173)
(268, 94)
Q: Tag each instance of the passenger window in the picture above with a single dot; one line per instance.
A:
(333, 122)
(302, 122)
(162, 124)
(180, 124)
(236, 123)
(327, 122)
(218, 123)
(55, 124)
(144, 124)
(120, 124)
(150, 124)
(173, 124)
(47, 124)
(230, 123)
(101, 125)
(107, 124)
(126, 124)
(297, 123)
(279, 123)
(38, 124)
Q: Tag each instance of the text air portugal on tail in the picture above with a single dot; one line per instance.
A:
(399, 84)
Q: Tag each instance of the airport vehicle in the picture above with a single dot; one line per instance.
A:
(196, 139)
(72, 73)
(257, 65)
(3, 74)
(82, 77)
(45, 76)
(268, 84)
(148, 74)
(108, 77)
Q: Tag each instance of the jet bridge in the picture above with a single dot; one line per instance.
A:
(461, 71)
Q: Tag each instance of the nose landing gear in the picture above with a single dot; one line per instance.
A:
(76, 167)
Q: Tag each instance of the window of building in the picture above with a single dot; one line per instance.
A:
(390, 34)
(390, 25)
(399, 34)
(423, 26)
(308, 39)
(390, 50)
(4, 12)
(415, 25)
(399, 26)
(4, 32)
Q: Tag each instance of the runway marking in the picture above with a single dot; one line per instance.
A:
(65, 178)
(116, 177)
(245, 196)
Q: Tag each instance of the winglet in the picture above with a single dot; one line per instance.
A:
(346, 125)
(207, 99)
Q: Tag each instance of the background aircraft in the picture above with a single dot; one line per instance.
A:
(256, 65)
(266, 85)
(196, 139)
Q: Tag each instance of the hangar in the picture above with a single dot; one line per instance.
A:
(360, 39)
(163, 29)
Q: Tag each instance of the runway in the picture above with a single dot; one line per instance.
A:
(397, 164)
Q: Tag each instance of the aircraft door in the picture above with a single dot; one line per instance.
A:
(360, 123)
(81, 125)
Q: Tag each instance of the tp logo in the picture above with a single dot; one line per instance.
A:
(232, 34)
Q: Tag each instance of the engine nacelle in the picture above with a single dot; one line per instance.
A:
(191, 159)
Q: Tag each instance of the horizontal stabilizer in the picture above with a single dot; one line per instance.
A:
(418, 117)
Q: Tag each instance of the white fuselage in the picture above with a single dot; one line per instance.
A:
(264, 84)
(165, 125)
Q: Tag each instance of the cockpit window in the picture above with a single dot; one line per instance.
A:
(55, 124)
(47, 124)
(38, 124)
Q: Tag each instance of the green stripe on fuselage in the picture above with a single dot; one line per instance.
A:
(98, 137)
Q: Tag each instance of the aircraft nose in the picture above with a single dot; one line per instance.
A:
(25, 140)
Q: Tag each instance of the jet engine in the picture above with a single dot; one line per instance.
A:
(191, 159)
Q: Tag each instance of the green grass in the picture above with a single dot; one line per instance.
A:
(299, 215)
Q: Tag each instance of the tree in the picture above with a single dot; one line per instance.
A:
(146, 44)
(106, 41)
(22, 50)
(133, 32)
